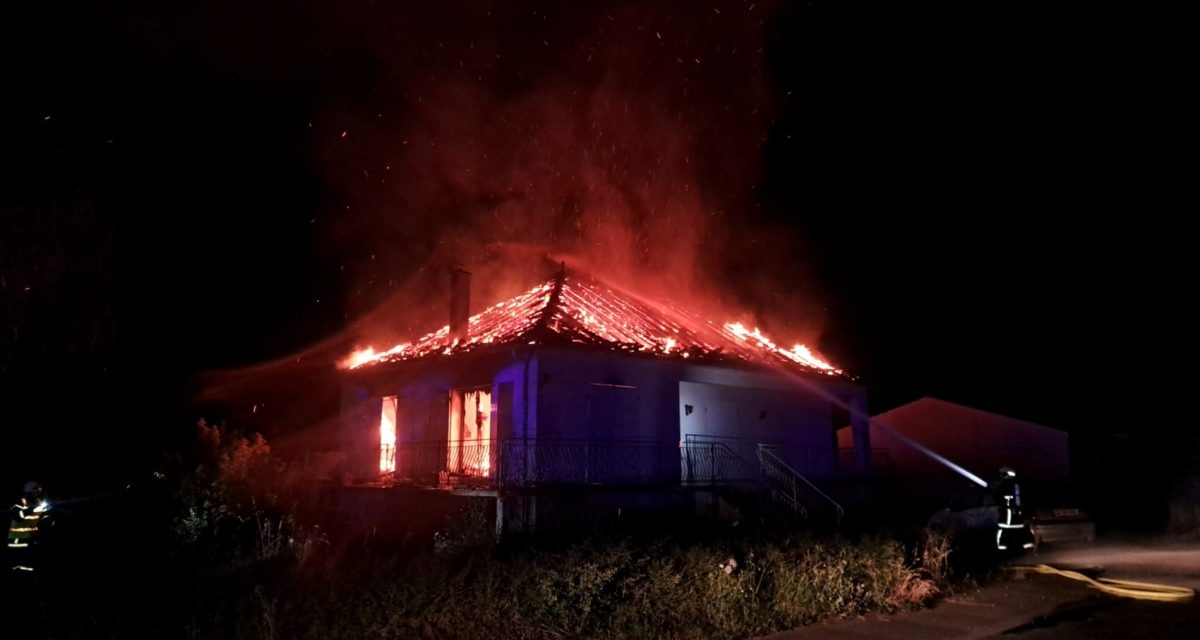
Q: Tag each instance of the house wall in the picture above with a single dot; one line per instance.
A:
(577, 395)
(979, 441)
(798, 423)
(597, 396)
(423, 400)
(623, 406)
(602, 396)
(798, 415)
(358, 420)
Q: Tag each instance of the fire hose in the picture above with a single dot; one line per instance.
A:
(1123, 588)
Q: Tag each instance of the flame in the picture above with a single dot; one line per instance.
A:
(799, 353)
(358, 358)
(387, 436)
(590, 313)
(509, 318)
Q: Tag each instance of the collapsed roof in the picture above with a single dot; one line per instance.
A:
(574, 311)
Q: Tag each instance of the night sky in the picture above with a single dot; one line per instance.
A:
(977, 202)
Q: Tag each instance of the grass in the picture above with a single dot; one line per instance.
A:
(229, 548)
(611, 590)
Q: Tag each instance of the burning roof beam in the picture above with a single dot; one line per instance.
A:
(586, 312)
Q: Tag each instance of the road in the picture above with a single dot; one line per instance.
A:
(1174, 563)
(1042, 607)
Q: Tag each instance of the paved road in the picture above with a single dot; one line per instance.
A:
(1037, 607)
(979, 614)
(1114, 618)
(1175, 563)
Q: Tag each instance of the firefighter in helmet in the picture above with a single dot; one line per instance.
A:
(28, 514)
(1012, 532)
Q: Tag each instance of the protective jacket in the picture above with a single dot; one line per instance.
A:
(1012, 532)
(23, 527)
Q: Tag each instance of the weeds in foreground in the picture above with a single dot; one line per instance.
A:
(617, 590)
(236, 509)
(935, 548)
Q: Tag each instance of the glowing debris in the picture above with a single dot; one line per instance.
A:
(583, 312)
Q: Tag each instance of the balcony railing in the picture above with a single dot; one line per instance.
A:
(695, 462)
(543, 462)
(708, 460)
(521, 462)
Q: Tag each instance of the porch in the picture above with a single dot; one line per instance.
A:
(735, 470)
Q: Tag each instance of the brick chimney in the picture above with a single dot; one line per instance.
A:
(460, 301)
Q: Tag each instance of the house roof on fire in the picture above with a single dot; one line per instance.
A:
(577, 311)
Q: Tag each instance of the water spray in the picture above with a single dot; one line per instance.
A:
(903, 439)
(815, 388)
(929, 452)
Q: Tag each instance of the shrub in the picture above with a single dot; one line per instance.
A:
(238, 502)
(471, 529)
(933, 559)
(617, 590)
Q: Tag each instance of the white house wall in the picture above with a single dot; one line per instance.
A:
(799, 424)
(646, 399)
(795, 412)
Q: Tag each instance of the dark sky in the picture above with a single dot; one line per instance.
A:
(979, 202)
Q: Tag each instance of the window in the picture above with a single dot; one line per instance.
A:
(469, 436)
(387, 436)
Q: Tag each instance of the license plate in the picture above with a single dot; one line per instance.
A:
(1065, 513)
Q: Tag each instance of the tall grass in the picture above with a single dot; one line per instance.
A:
(248, 559)
(617, 590)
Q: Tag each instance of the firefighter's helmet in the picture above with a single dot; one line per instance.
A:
(32, 488)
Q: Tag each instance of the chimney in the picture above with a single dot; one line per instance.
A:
(460, 301)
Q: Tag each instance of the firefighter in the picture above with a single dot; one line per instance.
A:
(1012, 532)
(27, 515)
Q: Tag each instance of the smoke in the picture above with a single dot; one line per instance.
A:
(623, 138)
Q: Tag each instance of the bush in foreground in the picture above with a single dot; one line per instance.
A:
(617, 590)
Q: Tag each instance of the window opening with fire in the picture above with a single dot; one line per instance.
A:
(470, 432)
(387, 436)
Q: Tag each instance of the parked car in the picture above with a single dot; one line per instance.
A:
(1053, 512)
(1056, 515)
(971, 521)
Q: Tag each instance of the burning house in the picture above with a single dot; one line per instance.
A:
(578, 395)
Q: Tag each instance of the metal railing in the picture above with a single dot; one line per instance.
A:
(697, 461)
(572, 462)
(796, 491)
(706, 460)
(522, 462)
(441, 462)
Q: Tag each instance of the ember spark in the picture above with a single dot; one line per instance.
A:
(584, 312)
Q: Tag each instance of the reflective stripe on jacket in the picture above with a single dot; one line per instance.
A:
(23, 527)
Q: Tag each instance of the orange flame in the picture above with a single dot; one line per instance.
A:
(387, 436)
(589, 313)
(799, 353)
